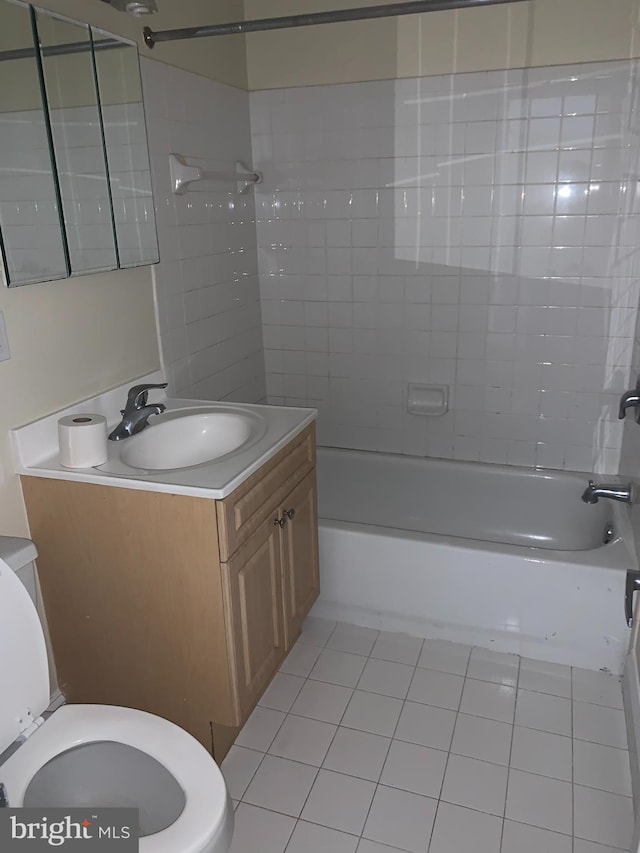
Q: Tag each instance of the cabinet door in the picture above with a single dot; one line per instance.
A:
(252, 582)
(300, 554)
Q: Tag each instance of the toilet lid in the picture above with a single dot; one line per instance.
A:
(24, 671)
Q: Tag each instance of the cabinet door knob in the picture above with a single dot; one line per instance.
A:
(280, 521)
(289, 512)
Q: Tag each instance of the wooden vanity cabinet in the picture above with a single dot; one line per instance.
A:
(178, 605)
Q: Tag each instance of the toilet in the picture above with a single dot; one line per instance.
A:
(98, 755)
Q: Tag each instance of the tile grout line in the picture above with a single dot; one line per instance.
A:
(395, 728)
(513, 734)
(307, 678)
(286, 714)
(453, 732)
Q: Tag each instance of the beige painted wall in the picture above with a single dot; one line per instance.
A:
(225, 62)
(539, 32)
(69, 340)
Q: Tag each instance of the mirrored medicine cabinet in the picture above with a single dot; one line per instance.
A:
(75, 181)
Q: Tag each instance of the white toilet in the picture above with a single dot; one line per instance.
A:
(100, 755)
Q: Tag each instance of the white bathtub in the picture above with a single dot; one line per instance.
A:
(506, 558)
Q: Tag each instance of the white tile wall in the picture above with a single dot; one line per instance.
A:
(476, 230)
(206, 283)
(629, 238)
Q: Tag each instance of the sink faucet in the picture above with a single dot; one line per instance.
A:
(136, 412)
(615, 491)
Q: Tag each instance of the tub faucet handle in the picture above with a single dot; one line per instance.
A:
(630, 399)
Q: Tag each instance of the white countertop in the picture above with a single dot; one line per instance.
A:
(36, 448)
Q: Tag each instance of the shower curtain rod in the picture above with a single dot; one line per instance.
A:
(337, 16)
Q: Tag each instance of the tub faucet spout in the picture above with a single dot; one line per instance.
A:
(614, 491)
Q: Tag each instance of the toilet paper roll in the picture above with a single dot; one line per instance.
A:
(82, 440)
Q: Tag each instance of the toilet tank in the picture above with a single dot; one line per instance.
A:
(19, 554)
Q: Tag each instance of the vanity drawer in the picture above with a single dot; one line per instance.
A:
(241, 513)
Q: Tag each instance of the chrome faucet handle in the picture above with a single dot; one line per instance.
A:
(631, 399)
(138, 395)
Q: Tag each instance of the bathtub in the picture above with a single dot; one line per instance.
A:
(505, 558)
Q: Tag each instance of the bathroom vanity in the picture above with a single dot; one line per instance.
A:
(179, 604)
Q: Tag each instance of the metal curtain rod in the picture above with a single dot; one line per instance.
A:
(60, 49)
(337, 16)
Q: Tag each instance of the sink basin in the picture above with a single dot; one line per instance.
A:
(188, 437)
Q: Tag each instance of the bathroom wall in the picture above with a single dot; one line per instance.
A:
(207, 287)
(469, 230)
(630, 455)
(71, 339)
(513, 35)
(226, 63)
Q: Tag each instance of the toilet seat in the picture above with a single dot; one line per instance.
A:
(207, 816)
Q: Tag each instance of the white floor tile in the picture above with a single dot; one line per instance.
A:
(386, 677)
(539, 801)
(259, 829)
(357, 754)
(478, 737)
(445, 656)
(603, 817)
(316, 631)
(300, 659)
(599, 724)
(303, 740)
(475, 784)
(603, 767)
(352, 638)
(426, 725)
(601, 688)
(497, 667)
(364, 720)
(280, 785)
(541, 752)
(310, 838)
(281, 693)
(370, 712)
(436, 688)
(544, 712)
(400, 648)
(338, 668)
(482, 699)
(545, 677)
(340, 802)
(260, 729)
(238, 768)
(414, 768)
(400, 819)
(458, 830)
(322, 701)
(520, 838)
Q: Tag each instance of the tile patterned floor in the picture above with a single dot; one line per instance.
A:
(382, 743)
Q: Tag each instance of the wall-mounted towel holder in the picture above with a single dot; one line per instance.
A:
(182, 175)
